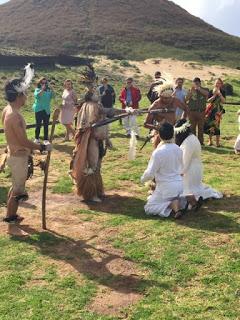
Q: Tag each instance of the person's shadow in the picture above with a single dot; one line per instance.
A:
(209, 217)
(117, 204)
(64, 148)
(219, 216)
(77, 254)
(220, 150)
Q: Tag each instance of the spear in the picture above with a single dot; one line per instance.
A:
(124, 115)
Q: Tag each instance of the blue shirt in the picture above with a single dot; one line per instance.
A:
(180, 94)
(129, 97)
(42, 102)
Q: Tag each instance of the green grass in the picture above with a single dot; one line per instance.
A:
(63, 185)
(190, 267)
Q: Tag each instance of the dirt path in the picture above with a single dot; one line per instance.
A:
(174, 68)
(89, 245)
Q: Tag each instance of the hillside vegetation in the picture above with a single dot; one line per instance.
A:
(120, 29)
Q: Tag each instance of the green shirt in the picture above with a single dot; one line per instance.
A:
(198, 101)
(42, 102)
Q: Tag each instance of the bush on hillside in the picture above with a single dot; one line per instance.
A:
(125, 64)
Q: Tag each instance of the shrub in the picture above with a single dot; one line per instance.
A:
(125, 64)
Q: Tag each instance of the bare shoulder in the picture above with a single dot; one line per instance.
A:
(156, 104)
(16, 119)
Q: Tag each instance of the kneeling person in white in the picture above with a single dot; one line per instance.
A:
(194, 189)
(165, 167)
(237, 142)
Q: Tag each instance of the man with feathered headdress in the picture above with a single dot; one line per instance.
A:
(18, 145)
(168, 104)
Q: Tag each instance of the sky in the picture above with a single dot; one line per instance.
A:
(223, 14)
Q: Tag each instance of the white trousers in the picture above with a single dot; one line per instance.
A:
(130, 124)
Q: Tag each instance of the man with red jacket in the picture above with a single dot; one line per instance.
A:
(130, 97)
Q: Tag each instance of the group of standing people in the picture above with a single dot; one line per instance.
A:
(130, 96)
(43, 96)
(175, 165)
(205, 108)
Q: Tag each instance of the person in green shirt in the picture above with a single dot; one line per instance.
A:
(43, 95)
(196, 101)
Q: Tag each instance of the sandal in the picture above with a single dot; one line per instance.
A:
(178, 214)
(198, 204)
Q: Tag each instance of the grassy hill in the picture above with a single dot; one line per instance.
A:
(120, 29)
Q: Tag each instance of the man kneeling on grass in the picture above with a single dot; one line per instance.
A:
(165, 166)
(19, 149)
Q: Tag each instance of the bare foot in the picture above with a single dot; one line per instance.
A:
(15, 230)
(96, 199)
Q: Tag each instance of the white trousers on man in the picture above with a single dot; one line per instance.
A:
(130, 124)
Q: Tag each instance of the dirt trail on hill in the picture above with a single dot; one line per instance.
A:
(175, 68)
(85, 248)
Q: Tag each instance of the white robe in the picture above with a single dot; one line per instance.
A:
(193, 171)
(237, 145)
(165, 166)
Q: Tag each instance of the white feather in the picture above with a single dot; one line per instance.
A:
(132, 147)
(27, 79)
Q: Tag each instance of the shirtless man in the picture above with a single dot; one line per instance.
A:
(168, 104)
(19, 149)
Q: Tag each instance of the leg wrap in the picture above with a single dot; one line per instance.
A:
(21, 197)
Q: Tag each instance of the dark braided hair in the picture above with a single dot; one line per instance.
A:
(11, 93)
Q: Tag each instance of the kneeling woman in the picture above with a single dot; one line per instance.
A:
(165, 167)
(194, 190)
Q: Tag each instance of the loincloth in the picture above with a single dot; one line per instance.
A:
(19, 173)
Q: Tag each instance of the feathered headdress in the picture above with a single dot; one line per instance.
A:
(166, 88)
(25, 81)
(183, 128)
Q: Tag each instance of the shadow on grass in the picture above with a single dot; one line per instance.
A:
(220, 150)
(64, 148)
(220, 216)
(77, 254)
(121, 205)
(122, 135)
(215, 216)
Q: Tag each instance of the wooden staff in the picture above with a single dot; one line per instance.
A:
(46, 169)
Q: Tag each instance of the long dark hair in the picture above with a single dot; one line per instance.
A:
(181, 136)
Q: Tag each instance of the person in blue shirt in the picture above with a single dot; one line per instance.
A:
(42, 107)
(180, 93)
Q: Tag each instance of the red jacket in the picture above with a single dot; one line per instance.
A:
(136, 97)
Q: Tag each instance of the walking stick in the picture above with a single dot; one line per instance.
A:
(46, 168)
